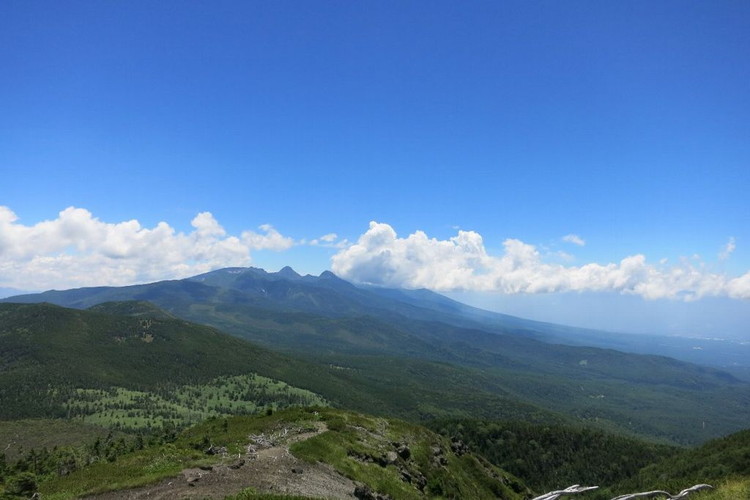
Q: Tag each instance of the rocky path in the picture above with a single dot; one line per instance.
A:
(267, 466)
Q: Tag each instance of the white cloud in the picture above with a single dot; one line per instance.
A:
(574, 239)
(206, 225)
(728, 249)
(270, 240)
(462, 263)
(77, 249)
(739, 288)
(328, 241)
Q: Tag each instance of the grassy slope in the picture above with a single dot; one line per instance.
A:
(357, 446)
(465, 476)
(19, 436)
(731, 489)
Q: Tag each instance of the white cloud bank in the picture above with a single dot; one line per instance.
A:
(76, 249)
(462, 263)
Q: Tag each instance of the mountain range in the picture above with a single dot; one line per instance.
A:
(273, 291)
(417, 355)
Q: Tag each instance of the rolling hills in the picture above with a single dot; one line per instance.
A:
(417, 355)
(52, 355)
(55, 360)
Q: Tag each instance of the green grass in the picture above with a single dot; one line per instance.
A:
(136, 469)
(351, 438)
(155, 463)
(358, 446)
(20, 436)
(737, 488)
(732, 489)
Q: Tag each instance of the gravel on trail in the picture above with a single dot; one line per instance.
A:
(268, 467)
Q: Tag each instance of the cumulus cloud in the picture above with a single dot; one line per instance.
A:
(574, 239)
(461, 262)
(270, 239)
(78, 249)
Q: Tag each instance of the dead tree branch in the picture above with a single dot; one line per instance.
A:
(572, 490)
(679, 496)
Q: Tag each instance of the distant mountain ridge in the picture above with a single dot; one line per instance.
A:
(288, 290)
(331, 296)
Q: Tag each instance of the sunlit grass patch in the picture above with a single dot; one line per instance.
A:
(122, 408)
(732, 489)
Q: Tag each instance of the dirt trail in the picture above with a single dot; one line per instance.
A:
(266, 466)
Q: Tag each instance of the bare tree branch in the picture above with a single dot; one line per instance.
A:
(684, 493)
(570, 490)
(576, 488)
(679, 496)
(643, 494)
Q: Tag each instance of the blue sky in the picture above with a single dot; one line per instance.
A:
(477, 135)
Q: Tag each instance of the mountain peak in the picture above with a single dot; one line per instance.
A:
(328, 275)
(288, 272)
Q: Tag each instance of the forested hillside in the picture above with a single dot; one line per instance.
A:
(553, 456)
(58, 362)
(715, 461)
(418, 356)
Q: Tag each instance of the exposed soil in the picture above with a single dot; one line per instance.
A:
(266, 466)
